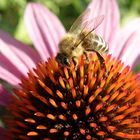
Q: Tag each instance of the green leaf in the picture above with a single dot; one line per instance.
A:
(21, 32)
(137, 68)
(3, 4)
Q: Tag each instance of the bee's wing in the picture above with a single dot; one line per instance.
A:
(93, 24)
(79, 22)
(83, 23)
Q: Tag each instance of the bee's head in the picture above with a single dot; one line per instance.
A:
(63, 59)
(67, 44)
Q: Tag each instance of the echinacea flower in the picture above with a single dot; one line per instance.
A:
(81, 102)
(87, 101)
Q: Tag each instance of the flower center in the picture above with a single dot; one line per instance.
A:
(83, 102)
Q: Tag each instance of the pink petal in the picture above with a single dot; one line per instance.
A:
(5, 96)
(110, 26)
(9, 72)
(127, 48)
(8, 77)
(136, 62)
(44, 29)
(19, 55)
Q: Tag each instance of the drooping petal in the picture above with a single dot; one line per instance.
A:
(5, 96)
(110, 25)
(44, 29)
(136, 62)
(127, 48)
(19, 55)
(8, 72)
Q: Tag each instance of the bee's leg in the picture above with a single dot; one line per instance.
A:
(102, 61)
(62, 59)
(75, 60)
(86, 53)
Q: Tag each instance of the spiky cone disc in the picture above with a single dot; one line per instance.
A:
(83, 102)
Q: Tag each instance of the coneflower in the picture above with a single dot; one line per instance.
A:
(89, 101)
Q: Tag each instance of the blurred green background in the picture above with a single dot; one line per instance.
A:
(12, 11)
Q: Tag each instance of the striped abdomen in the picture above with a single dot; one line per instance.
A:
(93, 42)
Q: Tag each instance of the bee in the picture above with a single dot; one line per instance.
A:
(82, 39)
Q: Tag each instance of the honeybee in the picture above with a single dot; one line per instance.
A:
(82, 39)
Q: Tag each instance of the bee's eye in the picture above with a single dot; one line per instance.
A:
(65, 61)
(62, 58)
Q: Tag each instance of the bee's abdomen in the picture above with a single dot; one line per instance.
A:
(93, 42)
(99, 44)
